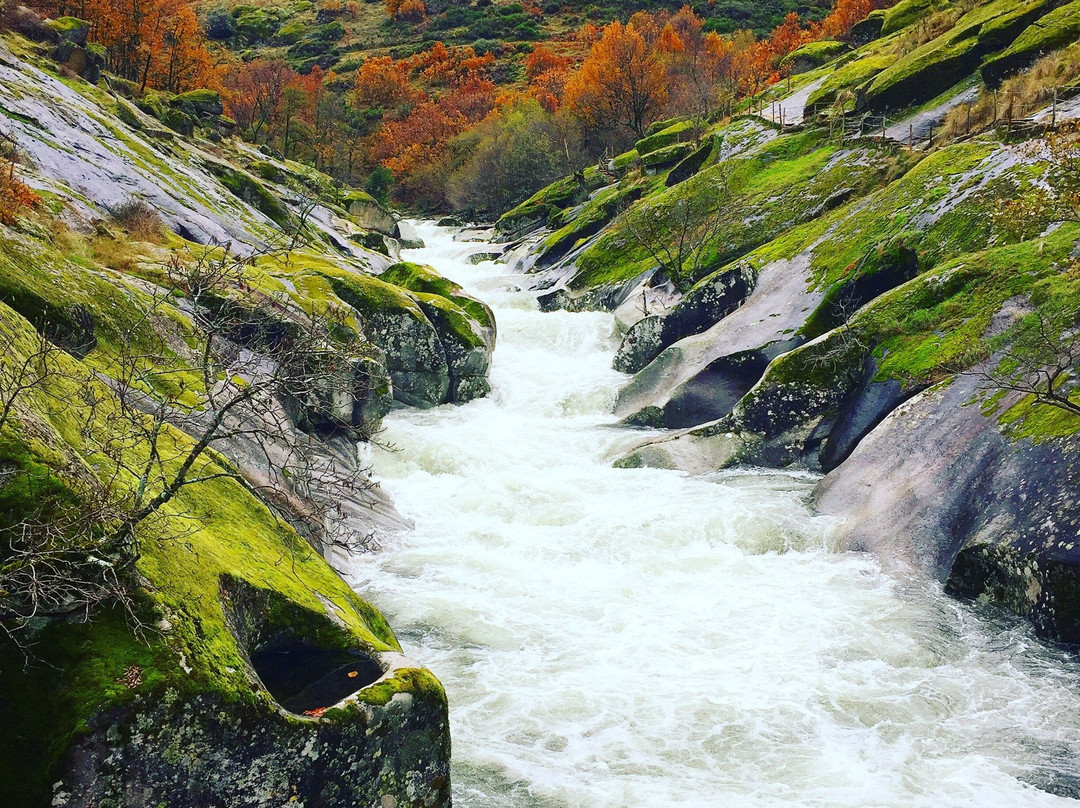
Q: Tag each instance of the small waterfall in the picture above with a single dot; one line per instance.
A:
(615, 638)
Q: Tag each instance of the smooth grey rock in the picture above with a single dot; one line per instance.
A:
(702, 307)
(939, 481)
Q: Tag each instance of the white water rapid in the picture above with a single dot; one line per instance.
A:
(644, 639)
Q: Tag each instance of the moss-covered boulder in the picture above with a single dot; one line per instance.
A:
(369, 214)
(847, 78)
(936, 66)
(691, 164)
(1057, 29)
(200, 103)
(868, 29)
(395, 322)
(437, 340)
(660, 159)
(811, 55)
(466, 326)
(70, 29)
(538, 209)
(703, 306)
(424, 279)
(674, 133)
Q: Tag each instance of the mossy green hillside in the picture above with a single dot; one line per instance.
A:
(813, 54)
(934, 67)
(867, 64)
(678, 131)
(909, 12)
(212, 529)
(1059, 28)
(947, 199)
(774, 187)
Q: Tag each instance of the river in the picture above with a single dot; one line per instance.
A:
(648, 639)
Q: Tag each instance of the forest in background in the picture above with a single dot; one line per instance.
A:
(436, 124)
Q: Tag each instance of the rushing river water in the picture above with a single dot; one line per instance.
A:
(642, 638)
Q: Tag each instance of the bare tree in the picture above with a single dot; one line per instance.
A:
(681, 236)
(1042, 359)
(265, 379)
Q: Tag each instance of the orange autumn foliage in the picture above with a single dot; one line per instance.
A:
(383, 82)
(155, 43)
(412, 10)
(547, 74)
(620, 84)
(844, 16)
(542, 60)
(15, 195)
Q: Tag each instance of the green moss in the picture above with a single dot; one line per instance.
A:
(542, 205)
(1057, 29)
(681, 130)
(666, 156)
(908, 12)
(370, 295)
(405, 680)
(938, 322)
(948, 173)
(450, 319)
(626, 159)
(250, 190)
(851, 75)
(66, 27)
(425, 280)
(814, 54)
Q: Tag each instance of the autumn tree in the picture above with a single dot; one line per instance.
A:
(696, 63)
(157, 43)
(383, 82)
(254, 94)
(844, 16)
(546, 73)
(621, 84)
(15, 195)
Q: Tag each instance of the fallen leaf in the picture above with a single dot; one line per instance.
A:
(353, 674)
(317, 712)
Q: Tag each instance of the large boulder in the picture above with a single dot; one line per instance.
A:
(948, 488)
(369, 214)
(812, 55)
(394, 321)
(466, 326)
(436, 338)
(705, 305)
(203, 104)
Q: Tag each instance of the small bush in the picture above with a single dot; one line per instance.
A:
(140, 220)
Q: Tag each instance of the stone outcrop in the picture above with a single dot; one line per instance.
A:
(942, 486)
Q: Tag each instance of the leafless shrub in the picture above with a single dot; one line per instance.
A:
(75, 546)
(140, 220)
